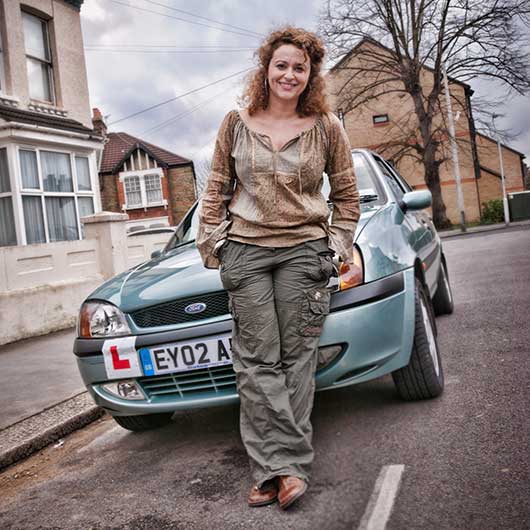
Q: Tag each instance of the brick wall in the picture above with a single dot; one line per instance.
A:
(109, 193)
(177, 188)
(363, 133)
(490, 187)
(181, 187)
(488, 153)
(147, 213)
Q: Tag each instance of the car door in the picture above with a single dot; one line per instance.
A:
(426, 244)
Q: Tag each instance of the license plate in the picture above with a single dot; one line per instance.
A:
(186, 355)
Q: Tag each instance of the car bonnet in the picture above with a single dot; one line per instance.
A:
(176, 274)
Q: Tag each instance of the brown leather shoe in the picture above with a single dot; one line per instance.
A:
(290, 489)
(263, 496)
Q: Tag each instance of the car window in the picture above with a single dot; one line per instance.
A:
(391, 179)
(400, 179)
(367, 182)
(186, 230)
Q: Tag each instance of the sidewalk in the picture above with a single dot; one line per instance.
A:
(37, 373)
(44, 397)
(481, 228)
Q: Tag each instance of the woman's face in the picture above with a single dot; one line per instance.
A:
(288, 72)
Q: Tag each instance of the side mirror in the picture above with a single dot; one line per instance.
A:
(416, 200)
(156, 254)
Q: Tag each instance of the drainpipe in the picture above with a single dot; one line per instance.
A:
(474, 150)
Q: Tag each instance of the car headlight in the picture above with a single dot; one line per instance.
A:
(101, 319)
(351, 276)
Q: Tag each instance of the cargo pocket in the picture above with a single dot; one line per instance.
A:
(233, 262)
(319, 261)
(313, 312)
(326, 264)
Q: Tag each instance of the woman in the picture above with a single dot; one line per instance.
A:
(264, 220)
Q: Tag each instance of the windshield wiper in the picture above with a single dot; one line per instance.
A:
(369, 198)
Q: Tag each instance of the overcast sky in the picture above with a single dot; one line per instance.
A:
(127, 73)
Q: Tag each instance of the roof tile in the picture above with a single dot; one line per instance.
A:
(119, 144)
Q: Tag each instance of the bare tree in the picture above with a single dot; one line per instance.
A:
(472, 38)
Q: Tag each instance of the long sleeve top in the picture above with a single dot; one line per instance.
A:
(262, 196)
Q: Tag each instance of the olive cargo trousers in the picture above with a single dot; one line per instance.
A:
(278, 299)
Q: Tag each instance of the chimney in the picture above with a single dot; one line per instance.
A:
(98, 123)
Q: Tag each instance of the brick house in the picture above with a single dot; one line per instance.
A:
(155, 187)
(380, 122)
(48, 148)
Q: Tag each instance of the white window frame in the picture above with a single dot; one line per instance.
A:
(49, 62)
(124, 175)
(75, 194)
(10, 194)
(380, 119)
(76, 156)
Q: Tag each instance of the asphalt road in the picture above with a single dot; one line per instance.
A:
(465, 455)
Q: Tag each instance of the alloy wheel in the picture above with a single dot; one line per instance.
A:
(433, 349)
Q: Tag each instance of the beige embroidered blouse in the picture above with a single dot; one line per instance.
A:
(262, 196)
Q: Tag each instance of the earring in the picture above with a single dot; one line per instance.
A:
(266, 84)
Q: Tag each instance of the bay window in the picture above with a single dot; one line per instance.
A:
(56, 192)
(38, 58)
(62, 219)
(56, 171)
(33, 219)
(8, 234)
(29, 170)
(83, 173)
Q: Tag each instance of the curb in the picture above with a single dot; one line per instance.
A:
(31, 434)
(481, 229)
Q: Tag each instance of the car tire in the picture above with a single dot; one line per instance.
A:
(423, 377)
(443, 299)
(146, 422)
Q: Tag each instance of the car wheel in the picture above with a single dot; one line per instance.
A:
(443, 299)
(143, 423)
(423, 377)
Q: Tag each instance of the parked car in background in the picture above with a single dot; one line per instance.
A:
(156, 338)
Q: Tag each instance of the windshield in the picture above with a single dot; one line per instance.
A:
(369, 190)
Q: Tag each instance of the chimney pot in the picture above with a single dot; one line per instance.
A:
(98, 122)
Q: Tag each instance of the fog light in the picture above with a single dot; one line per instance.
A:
(327, 355)
(127, 389)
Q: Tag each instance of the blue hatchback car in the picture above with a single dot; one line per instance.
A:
(156, 338)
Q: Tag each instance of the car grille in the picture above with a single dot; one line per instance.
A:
(173, 312)
(183, 384)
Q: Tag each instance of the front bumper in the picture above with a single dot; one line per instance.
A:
(374, 323)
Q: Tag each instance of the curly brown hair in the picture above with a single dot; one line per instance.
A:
(313, 98)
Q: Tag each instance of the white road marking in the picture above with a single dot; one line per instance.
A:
(382, 499)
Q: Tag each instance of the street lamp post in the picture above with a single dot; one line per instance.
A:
(503, 181)
(454, 151)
